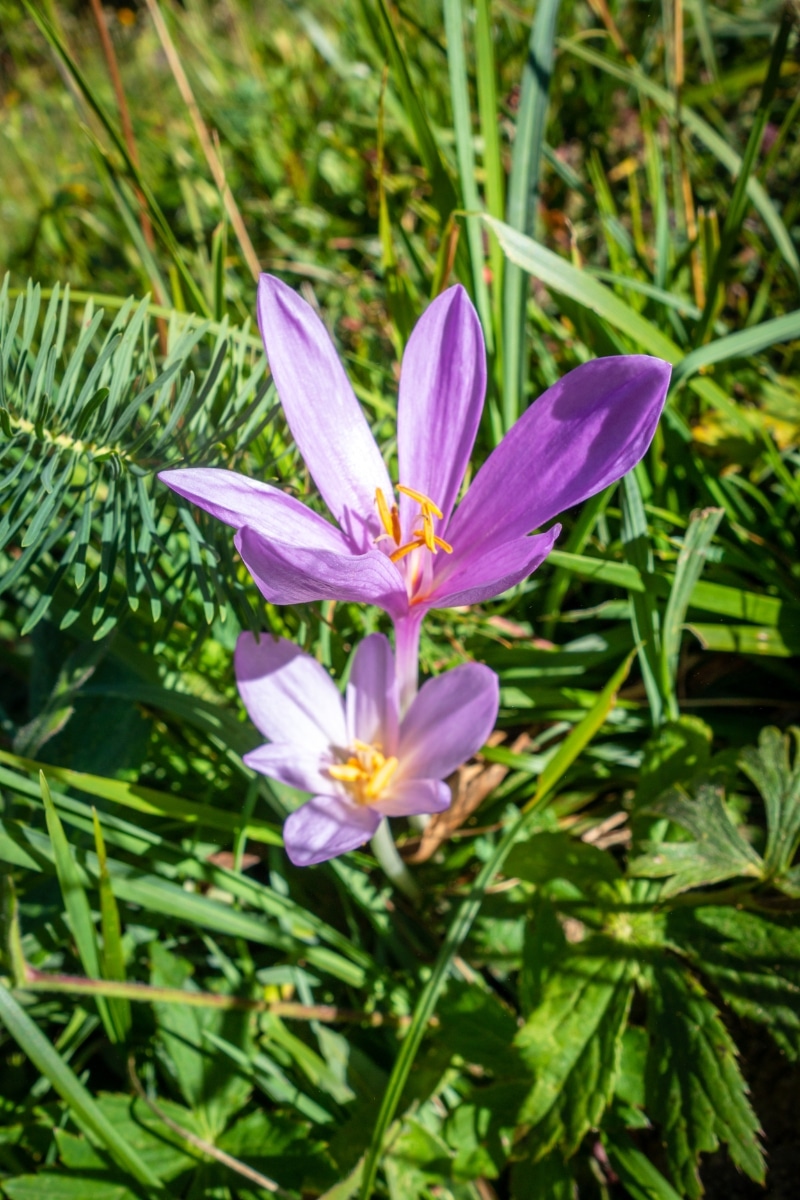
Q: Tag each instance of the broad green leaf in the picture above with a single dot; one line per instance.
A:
(418, 1159)
(550, 855)
(210, 1083)
(717, 852)
(571, 1044)
(674, 753)
(695, 1090)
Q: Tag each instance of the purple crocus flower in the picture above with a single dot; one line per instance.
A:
(419, 551)
(355, 755)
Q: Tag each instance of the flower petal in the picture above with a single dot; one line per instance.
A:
(291, 764)
(324, 416)
(371, 701)
(584, 433)
(288, 695)
(413, 796)
(442, 385)
(491, 570)
(239, 501)
(288, 574)
(327, 826)
(449, 719)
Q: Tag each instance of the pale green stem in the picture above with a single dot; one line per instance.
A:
(394, 868)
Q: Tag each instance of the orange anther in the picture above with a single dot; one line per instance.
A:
(402, 551)
(425, 502)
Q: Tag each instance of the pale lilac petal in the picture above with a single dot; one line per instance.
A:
(292, 575)
(491, 570)
(442, 385)
(449, 720)
(239, 501)
(288, 695)
(411, 797)
(371, 701)
(291, 764)
(324, 416)
(327, 826)
(584, 433)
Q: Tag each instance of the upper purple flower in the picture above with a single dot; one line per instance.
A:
(415, 552)
(360, 761)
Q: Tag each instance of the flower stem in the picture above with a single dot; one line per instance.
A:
(394, 868)
(406, 648)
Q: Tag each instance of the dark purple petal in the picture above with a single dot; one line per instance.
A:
(584, 433)
(327, 826)
(449, 720)
(411, 797)
(291, 764)
(492, 570)
(240, 501)
(324, 416)
(289, 696)
(442, 385)
(289, 575)
(371, 696)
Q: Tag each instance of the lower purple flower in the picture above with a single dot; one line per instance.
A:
(359, 760)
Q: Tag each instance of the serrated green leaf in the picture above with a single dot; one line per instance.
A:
(641, 1179)
(778, 780)
(753, 961)
(695, 1090)
(571, 1044)
(549, 1176)
(718, 852)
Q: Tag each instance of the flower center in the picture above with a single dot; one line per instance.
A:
(366, 773)
(422, 538)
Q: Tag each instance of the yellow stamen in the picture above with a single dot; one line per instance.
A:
(380, 778)
(366, 774)
(402, 551)
(389, 517)
(427, 532)
(383, 512)
(349, 772)
(425, 502)
(443, 545)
